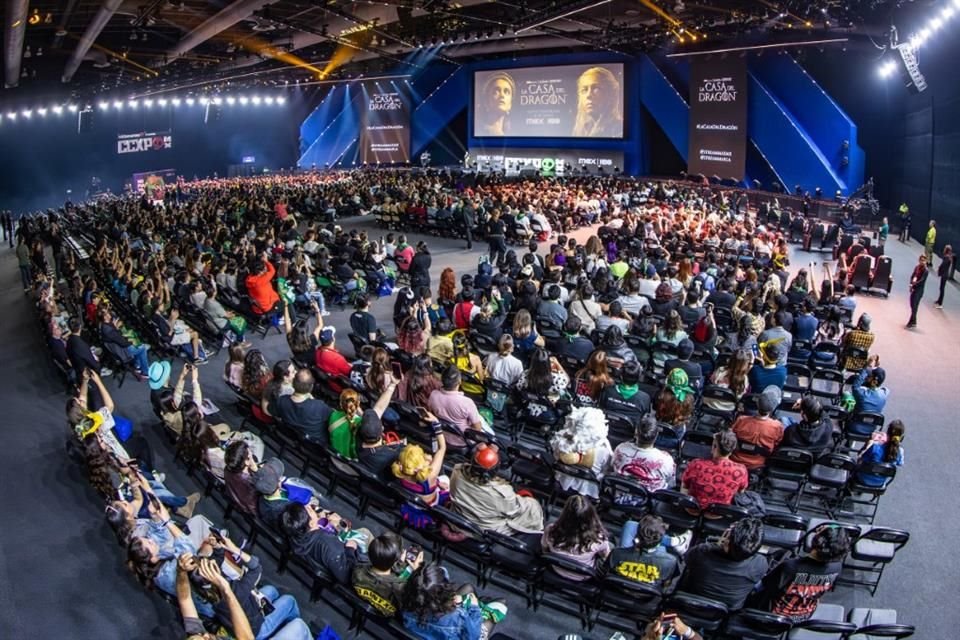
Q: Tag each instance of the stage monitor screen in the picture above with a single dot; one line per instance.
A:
(575, 101)
(385, 124)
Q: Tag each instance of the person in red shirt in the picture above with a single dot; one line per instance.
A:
(762, 429)
(331, 361)
(259, 283)
(719, 479)
(403, 255)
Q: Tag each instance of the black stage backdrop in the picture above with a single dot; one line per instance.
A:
(386, 124)
(718, 117)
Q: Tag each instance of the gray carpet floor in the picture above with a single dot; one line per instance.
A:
(62, 574)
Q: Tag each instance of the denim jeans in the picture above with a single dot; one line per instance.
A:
(26, 276)
(296, 629)
(167, 497)
(285, 609)
(629, 534)
(139, 355)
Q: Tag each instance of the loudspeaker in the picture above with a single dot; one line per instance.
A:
(85, 121)
(916, 83)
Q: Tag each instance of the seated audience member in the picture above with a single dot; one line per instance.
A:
(615, 316)
(110, 334)
(420, 473)
(767, 370)
(640, 460)
(419, 382)
(776, 333)
(762, 429)
(465, 310)
(168, 402)
(503, 366)
(240, 468)
(263, 297)
(582, 442)
(794, 588)
(550, 307)
(727, 570)
(362, 322)
(631, 301)
(343, 425)
(489, 322)
(436, 609)
(222, 320)
(547, 379)
(155, 566)
(616, 347)
(178, 333)
(591, 381)
(255, 376)
(869, 393)
(859, 338)
(525, 336)
(693, 369)
(585, 308)
(449, 404)
(303, 412)
(885, 447)
(382, 581)
(733, 376)
(331, 361)
(302, 340)
(656, 629)
(313, 536)
(719, 479)
(280, 384)
(675, 402)
(641, 556)
(625, 398)
(814, 431)
(488, 500)
(415, 330)
(577, 534)
(209, 572)
(469, 364)
(372, 452)
(571, 344)
(440, 342)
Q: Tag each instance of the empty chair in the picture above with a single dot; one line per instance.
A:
(784, 530)
(515, 558)
(752, 624)
(632, 603)
(577, 596)
(830, 473)
(826, 383)
(786, 471)
(696, 611)
(678, 510)
(870, 555)
(827, 623)
(716, 518)
(882, 280)
(860, 427)
(860, 277)
(623, 497)
(696, 445)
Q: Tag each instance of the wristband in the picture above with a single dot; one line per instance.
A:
(165, 523)
(688, 633)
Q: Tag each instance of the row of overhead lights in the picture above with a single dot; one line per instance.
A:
(104, 105)
(918, 39)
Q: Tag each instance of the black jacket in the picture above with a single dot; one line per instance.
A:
(324, 550)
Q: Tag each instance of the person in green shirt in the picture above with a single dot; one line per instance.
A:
(345, 421)
(884, 231)
(23, 261)
(930, 241)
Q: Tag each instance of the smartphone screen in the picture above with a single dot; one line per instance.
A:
(397, 370)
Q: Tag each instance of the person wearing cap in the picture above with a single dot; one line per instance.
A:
(694, 371)
(861, 337)
(762, 429)
(329, 360)
(869, 393)
(372, 452)
(718, 479)
(768, 371)
(490, 501)
(641, 555)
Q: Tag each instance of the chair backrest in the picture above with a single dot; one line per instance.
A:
(696, 444)
(557, 561)
(896, 537)
(884, 470)
(881, 274)
(832, 628)
(887, 631)
(698, 612)
(875, 420)
(762, 625)
(789, 460)
(853, 531)
(613, 486)
(781, 520)
(723, 515)
(861, 273)
(839, 461)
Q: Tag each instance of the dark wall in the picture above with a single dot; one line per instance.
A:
(44, 157)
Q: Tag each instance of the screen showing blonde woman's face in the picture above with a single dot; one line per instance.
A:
(501, 96)
(594, 95)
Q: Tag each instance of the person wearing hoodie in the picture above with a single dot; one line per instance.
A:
(311, 537)
(814, 431)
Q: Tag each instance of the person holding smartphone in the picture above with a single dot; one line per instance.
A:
(669, 626)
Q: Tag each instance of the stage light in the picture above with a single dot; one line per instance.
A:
(281, 100)
(256, 100)
(58, 110)
(27, 113)
(244, 100)
(191, 101)
(887, 69)
(42, 111)
(175, 102)
(204, 101)
(936, 23)
(268, 100)
(103, 106)
(218, 100)
(162, 102)
(118, 105)
(148, 103)
(231, 100)
(12, 115)
(72, 108)
(132, 104)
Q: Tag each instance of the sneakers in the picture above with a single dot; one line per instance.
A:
(186, 511)
(105, 372)
(324, 313)
(938, 306)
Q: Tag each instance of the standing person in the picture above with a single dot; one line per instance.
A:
(918, 281)
(469, 214)
(905, 219)
(946, 266)
(23, 261)
(495, 237)
(930, 240)
(883, 232)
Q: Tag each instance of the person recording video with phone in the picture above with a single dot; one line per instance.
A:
(497, 101)
(598, 105)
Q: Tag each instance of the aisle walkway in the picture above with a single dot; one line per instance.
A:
(62, 573)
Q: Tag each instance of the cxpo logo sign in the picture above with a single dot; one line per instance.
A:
(137, 142)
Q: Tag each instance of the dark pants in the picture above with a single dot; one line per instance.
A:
(468, 231)
(498, 251)
(904, 230)
(943, 287)
(914, 306)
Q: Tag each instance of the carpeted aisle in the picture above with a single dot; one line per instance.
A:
(62, 574)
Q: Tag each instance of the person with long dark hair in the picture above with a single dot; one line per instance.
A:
(419, 382)
(886, 447)
(918, 280)
(944, 270)
(546, 378)
(435, 609)
(577, 534)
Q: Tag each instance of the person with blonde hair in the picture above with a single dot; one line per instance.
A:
(598, 105)
(420, 474)
(497, 101)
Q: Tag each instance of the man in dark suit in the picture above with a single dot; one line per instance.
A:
(469, 213)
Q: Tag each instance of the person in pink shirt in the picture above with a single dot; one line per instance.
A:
(450, 405)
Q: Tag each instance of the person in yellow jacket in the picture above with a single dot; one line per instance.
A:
(930, 241)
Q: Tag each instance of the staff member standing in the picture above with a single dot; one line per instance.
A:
(469, 213)
(905, 219)
(495, 237)
(917, 282)
(946, 267)
(931, 239)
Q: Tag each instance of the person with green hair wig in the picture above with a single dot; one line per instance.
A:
(675, 402)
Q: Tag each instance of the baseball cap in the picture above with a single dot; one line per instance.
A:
(371, 428)
(879, 374)
(326, 336)
(772, 351)
(267, 478)
(486, 456)
(685, 348)
(769, 399)
(158, 374)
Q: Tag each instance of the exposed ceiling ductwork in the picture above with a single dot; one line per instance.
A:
(15, 24)
(106, 11)
(214, 25)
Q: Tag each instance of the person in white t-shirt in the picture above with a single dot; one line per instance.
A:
(640, 460)
(503, 366)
